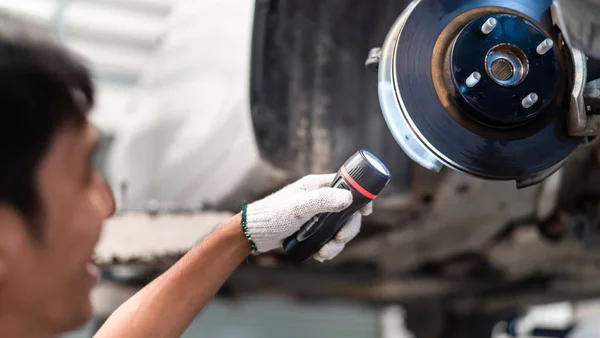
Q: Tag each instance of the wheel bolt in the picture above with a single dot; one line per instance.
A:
(489, 26)
(545, 46)
(530, 100)
(473, 79)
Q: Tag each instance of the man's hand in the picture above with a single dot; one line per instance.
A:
(280, 215)
(166, 306)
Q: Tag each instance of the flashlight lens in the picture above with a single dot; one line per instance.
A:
(376, 163)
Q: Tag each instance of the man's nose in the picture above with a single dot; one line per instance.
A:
(108, 197)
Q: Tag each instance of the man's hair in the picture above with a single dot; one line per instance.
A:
(42, 88)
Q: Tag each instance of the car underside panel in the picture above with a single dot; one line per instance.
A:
(313, 102)
(471, 243)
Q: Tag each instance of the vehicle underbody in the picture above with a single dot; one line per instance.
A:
(438, 243)
(473, 243)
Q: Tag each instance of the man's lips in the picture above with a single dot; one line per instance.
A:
(93, 272)
(91, 268)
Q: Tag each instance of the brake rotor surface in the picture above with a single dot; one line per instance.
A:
(485, 130)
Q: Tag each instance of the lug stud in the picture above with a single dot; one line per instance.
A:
(489, 26)
(473, 79)
(544, 47)
(530, 100)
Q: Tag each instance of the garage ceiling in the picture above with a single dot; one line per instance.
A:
(115, 36)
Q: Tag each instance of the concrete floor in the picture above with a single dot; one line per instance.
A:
(275, 317)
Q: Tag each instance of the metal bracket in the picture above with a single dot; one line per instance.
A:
(579, 122)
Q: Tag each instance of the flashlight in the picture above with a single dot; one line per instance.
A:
(365, 176)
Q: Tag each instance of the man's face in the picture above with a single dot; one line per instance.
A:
(48, 280)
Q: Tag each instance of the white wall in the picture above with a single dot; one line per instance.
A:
(189, 139)
(172, 89)
(115, 36)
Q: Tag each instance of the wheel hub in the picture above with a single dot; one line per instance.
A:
(478, 86)
(511, 69)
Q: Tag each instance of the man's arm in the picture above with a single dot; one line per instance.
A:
(167, 306)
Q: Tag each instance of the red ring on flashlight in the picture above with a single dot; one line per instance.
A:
(355, 184)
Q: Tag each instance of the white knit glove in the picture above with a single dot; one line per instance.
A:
(276, 217)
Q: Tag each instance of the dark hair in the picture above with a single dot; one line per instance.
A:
(42, 88)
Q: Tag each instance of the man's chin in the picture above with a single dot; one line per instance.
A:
(86, 312)
(79, 318)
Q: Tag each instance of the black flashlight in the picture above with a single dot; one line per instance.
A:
(365, 176)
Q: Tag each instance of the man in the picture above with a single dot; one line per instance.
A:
(52, 205)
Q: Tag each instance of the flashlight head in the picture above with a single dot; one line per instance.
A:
(366, 173)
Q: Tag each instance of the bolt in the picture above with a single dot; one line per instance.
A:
(489, 26)
(545, 46)
(372, 63)
(530, 100)
(473, 79)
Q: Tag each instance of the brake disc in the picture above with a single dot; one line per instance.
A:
(482, 87)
